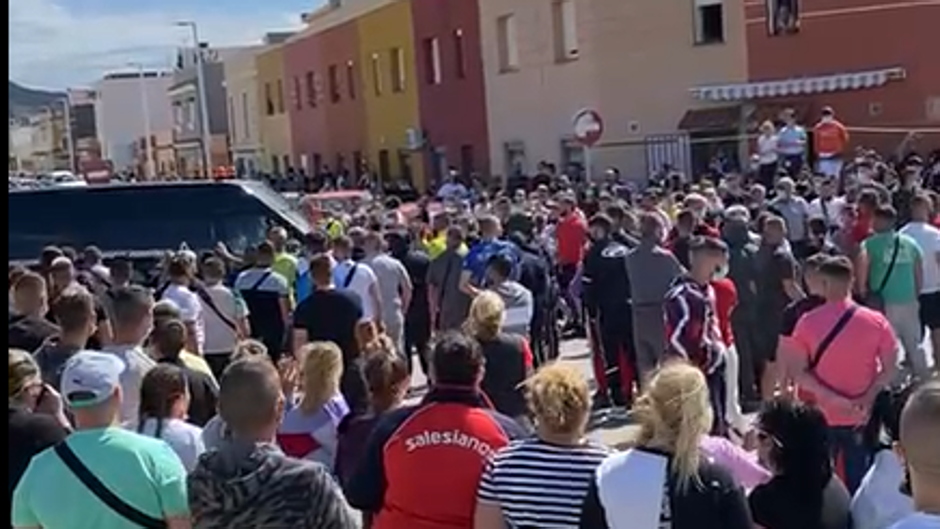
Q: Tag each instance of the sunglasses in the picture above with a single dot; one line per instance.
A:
(763, 437)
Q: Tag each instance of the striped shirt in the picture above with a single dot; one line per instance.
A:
(537, 484)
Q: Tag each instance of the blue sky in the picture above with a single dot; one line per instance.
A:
(71, 43)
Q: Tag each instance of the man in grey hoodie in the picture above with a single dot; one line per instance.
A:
(248, 481)
(652, 270)
(518, 300)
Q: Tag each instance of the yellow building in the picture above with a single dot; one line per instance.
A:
(274, 153)
(387, 62)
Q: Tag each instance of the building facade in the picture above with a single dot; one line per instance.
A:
(119, 117)
(394, 139)
(836, 53)
(532, 93)
(274, 96)
(241, 87)
(187, 116)
(328, 119)
(451, 87)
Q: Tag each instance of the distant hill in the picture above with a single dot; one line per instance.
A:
(25, 100)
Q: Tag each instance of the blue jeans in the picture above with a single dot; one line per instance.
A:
(847, 442)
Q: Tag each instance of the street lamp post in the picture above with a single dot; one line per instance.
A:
(69, 140)
(202, 98)
(149, 164)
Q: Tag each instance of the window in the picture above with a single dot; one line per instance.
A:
(709, 22)
(516, 163)
(377, 74)
(280, 96)
(459, 59)
(566, 30)
(245, 116)
(467, 164)
(268, 100)
(933, 108)
(506, 42)
(351, 79)
(295, 94)
(783, 17)
(178, 117)
(432, 61)
(397, 56)
(311, 89)
(333, 80)
(385, 166)
(191, 113)
(404, 165)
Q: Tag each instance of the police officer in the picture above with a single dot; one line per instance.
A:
(606, 292)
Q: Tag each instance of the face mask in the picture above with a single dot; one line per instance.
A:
(720, 273)
(827, 119)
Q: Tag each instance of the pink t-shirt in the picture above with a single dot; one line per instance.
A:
(864, 348)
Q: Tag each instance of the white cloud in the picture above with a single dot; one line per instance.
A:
(52, 46)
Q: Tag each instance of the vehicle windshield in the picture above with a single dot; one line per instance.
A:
(278, 203)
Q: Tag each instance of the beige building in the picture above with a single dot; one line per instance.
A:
(633, 61)
(241, 87)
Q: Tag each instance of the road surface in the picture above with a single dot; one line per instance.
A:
(576, 353)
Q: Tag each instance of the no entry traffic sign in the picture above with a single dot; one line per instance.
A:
(588, 127)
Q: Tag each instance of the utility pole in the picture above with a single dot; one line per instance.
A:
(69, 140)
(203, 98)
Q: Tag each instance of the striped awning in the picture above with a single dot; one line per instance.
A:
(799, 86)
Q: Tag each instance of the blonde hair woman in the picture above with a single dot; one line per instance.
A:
(310, 428)
(36, 419)
(541, 482)
(767, 154)
(508, 356)
(664, 479)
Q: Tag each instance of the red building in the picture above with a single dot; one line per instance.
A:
(328, 125)
(451, 93)
(873, 61)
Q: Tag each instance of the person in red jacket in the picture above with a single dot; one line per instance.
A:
(571, 235)
(830, 139)
(422, 464)
(726, 299)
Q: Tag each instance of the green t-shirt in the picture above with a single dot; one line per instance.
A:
(144, 472)
(900, 287)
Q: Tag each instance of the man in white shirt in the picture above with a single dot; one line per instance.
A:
(132, 319)
(358, 278)
(225, 315)
(827, 205)
(920, 430)
(181, 274)
(927, 238)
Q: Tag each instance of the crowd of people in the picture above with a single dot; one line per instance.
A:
(764, 334)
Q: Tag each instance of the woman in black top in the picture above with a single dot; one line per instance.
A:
(508, 357)
(804, 493)
(664, 482)
(169, 339)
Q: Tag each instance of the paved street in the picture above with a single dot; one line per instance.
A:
(576, 353)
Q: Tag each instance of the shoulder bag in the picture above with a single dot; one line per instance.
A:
(824, 346)
(874, 300)
(129, 512)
